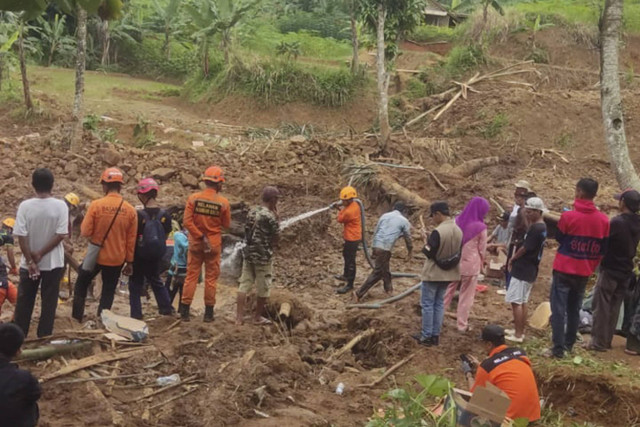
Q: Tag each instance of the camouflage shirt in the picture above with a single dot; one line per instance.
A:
(260, 230)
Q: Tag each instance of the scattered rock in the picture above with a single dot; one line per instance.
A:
(298, 138)
(111, 157)
(163, 174)
(189, 180)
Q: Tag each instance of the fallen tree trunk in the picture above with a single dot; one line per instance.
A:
(285, 309)
(390, 187)
(470, 167)
(355, 340)
(48, 351)
(87, 362)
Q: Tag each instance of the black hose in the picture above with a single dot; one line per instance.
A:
(365, 248)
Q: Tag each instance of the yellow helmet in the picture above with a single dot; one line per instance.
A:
(348, 193)
(9, 222)
(72, 198)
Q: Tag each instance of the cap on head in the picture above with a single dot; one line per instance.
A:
(270, 193)
(72, 199)
(147, 184)
(213, 174)
(112, 175)
(9, 222)
(441, 206)
(535, 203)
(493, 334)
(348, 193)
(631, 199)
(523, 184)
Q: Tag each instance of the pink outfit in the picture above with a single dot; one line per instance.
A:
(473, 253)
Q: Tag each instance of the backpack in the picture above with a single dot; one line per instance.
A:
(152, 240)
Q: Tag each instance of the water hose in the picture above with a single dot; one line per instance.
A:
(365, 247)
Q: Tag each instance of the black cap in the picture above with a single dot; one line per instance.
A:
(493, 334)
(442, 207)
(504, 216)
(631, 199)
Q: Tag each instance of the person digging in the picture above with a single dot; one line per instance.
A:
(261, 233)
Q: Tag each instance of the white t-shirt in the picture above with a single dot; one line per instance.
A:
(40, 220)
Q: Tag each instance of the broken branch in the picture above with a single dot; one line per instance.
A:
(390, 371)
(388, 300)
(355, 340)
(470, 167)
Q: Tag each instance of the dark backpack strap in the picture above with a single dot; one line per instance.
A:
(112, 221)
(510, 353)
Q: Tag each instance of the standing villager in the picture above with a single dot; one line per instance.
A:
(178, 267)
(7, 240)
(42, 223)
(583, 234)
(206, 214)
(154, 225)
(616, 270)
(350, 216)
(261, 233)
(523, 267)
(391, 226)
(443, 249)
(111, 225)
(474, 245)
(73, 204)
(517, 222)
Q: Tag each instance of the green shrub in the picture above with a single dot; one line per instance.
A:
(277, 82)
(148, 59)
(433, 33)
(465, 58)
(318, 23)
(495, 126)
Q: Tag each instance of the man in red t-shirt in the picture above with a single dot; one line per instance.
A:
(509, 369)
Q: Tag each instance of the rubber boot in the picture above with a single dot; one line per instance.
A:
(208, 314)
(345, 289)
(260, 304)
(240, 303)
(184, 312)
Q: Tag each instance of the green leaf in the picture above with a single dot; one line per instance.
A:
(577, 360)
(434, 385)
(6, 46)
(521, 422)
(397, 393)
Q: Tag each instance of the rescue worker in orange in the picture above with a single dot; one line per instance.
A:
(205, 215)
(351, 217)
(509, 369)
(111, 223)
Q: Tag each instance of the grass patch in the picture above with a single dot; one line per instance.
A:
(278, 82)
(264, 39)
(462, 59)
(581, 11)
(495, 126)
(433, 33)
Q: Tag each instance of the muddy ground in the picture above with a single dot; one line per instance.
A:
(293, 359)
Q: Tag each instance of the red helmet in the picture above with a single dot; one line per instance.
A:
(147, 184)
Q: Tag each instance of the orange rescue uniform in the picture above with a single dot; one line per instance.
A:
(206, 213)
(9, 293)
(121, 241)
(351, 218)
(509, 369)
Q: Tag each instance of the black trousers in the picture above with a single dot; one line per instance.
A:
(149, 270)
(608, 296)
(49, 284)
(349, 251)
(110, 276)
(175, 282)
(381, 271)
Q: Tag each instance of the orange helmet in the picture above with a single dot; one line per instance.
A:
(213, 174)
(112, 175)
(348, 193)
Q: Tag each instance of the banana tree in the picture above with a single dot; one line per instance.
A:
(216, 17)
(8, 36)
(470, 5)
(54, 35)
(170, 22)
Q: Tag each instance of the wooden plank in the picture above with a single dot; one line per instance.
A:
(87, 362)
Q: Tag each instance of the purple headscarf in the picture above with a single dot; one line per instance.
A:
(471, 220)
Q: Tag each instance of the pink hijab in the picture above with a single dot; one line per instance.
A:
(471, 220)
